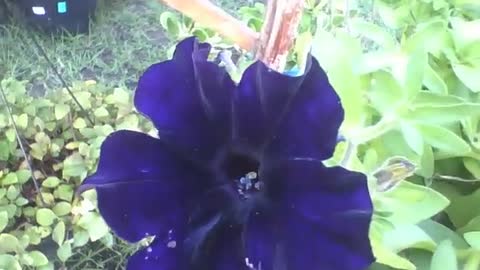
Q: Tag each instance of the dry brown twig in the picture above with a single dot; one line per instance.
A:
(271, 46)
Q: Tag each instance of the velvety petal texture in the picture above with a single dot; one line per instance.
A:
(188, 99)
(183, 189)
(143, 188)
(324, 215)
(289, 116)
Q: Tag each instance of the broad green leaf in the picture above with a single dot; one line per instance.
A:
(171, 23)
(427, 162)
(101, 112)
(94, 224)
(443, 139)
(373, 32)
(74, 165)
(64, 251)
(10, 134)
(465, 32)
(390, 258)
(408, 236)
(9, 179)
(386, 94)
(22, 121)
(8, 243)
(79, 123)
(439, 232)
(4, 150)
(433, 81)
(373, 61)
(473, 166)
(39, 259)
(9, 262)
(51, 182)
(12, 192)
(64, 192)
(45, 216)
(61, 110)
(62, 208)
(468, 74)
(444, 257)
(411, 203)
(412, 136)
(3, 220)
(417, 63)
(58, 233)
(473, 239)
(80, 238)
(432, 37)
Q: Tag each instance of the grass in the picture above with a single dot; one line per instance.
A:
(125, 38)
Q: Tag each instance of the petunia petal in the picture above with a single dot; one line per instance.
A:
(158, 256)
(290, 116)
(310, 125)
(324, 213)
(142, 187)
(261, 98)
(189, 100)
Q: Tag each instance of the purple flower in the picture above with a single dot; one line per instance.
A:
(235, 180)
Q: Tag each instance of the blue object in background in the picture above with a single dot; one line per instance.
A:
(62, 7)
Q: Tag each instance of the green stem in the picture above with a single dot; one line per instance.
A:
(372, 132)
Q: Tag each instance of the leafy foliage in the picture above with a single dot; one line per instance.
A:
(41, 230)
(407, 73)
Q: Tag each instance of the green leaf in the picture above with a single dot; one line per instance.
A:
(444, 257)
(74, 166)
(443, 139)
(39, 259)
(51, 182)
(9, 262)
(101, 112)
(412, 136)
(373, 32)
(408, 236)
(427, 162)
(473, 166)
(473, 239)
(8, 243)
(45, 217)
(439, 232)
(79, 123)
(386, 94)
(410, 203)
(94, 224)
(10, 179)
(22, 121)
(4, 150)
(80, 238)
(62, 208)
(64, 252)
(373, 61)
(12, 192)
(23, 176)
(415, 69)
(64, 192)
(61, 110)
(170, 22)
(3, 220)
(433, 81)
(431, 37)
(58, 233)
(468, 74)
(10, 134)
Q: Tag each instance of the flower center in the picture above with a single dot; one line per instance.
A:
(242, 170)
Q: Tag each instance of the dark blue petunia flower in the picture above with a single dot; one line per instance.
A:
(236, 180)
